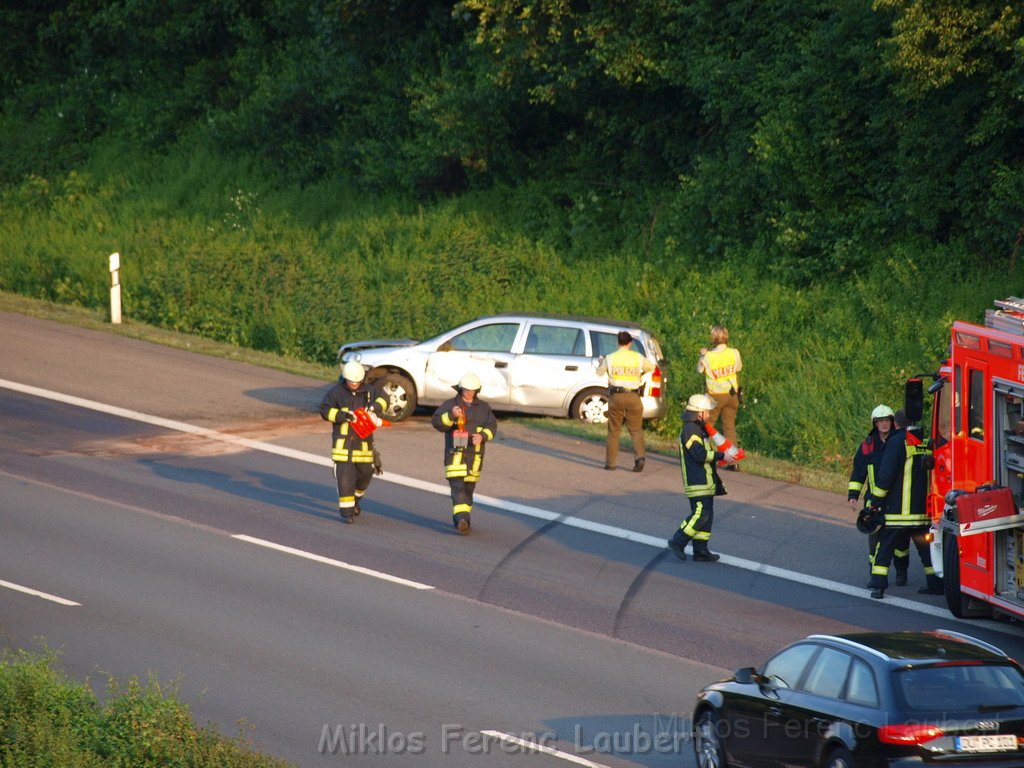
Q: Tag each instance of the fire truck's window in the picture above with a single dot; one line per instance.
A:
(976, 406)
(942, 414)
(957, 401)
(999, 348)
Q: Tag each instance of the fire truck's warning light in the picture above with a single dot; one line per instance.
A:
(967, 340)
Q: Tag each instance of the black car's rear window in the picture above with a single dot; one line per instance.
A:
(959, 688)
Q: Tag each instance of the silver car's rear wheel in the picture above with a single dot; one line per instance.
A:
(400, 394)
(590, 405)
(839, 758)
(707, 747)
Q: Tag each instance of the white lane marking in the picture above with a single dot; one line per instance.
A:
(491, 501)
(533, 745)
(37, 593)
(329, 561)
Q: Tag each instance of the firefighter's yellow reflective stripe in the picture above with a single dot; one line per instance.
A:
(879, 570)
(908, 482)
(332, 414)
(872, 488)
(855, 486)
(345, 502)
(702, 536)
(901, 552)
(478, 460)
(486, 432)
(929, 571)
(880, 493)
(907, 521)
(380, 401)
(447, 420)
(460, 508)
(688, 526)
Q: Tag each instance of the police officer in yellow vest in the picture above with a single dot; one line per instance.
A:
(720, 366)
(625, 368)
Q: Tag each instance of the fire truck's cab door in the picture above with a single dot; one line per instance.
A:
(976, 423)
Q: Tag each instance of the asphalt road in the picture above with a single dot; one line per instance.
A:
(217, 560)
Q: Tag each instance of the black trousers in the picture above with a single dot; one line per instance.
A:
(892, 538)
(698, 525)
(353, 480)
(462, 494)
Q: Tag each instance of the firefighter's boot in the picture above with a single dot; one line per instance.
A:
(935, 586)
(461, 522)
(701, 553)
(346, 515)
(677, 544)
(901, 577)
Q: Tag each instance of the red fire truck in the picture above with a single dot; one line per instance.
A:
(976, 496)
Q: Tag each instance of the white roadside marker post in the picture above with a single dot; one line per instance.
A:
(115, 288)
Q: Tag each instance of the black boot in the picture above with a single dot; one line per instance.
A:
(461, 522)
(705, 555)
(677, 544)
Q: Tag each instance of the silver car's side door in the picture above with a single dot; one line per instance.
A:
(485, 350)
(553, 362)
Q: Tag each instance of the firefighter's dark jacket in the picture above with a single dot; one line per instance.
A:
(902, 480)
(479, 420)
(339, 401)
(697, 457)
(865, 468)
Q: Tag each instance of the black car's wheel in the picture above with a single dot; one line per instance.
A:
(590, 405)
(400, 394)
(707, 746)
(960, 605)
(839, 757)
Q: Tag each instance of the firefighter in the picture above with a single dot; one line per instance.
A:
(721, 365)
(468, 424)
(697, 459)
(901, 486)
(354, 456)
(625, 368)
(862, 478)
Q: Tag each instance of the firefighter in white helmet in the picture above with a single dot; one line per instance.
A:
(697, 459)
(862, 479)
(353, 455)
(468, 424)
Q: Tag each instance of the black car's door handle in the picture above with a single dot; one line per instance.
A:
(774, 711)
(500, 364)
(572, 367)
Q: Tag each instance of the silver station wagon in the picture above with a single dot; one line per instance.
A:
(527, 364)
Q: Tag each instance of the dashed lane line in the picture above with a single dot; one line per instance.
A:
(37, 593)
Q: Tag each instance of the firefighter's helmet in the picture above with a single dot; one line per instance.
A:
(353, 371)
(870, 520)
(700, 403)
(882, 412)
(470, 381)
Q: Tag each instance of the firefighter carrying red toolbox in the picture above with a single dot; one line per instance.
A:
(354, 408)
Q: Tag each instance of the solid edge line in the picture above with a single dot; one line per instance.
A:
(329, 561)
(37, 593)
(508, 506)
(542, 748)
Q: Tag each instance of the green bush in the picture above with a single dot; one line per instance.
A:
(47, 720)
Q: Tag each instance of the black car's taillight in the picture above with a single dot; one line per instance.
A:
(908, 733)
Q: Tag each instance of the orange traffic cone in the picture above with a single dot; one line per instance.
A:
(733, 453)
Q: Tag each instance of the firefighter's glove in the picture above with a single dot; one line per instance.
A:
(378, 465)
(346, 416)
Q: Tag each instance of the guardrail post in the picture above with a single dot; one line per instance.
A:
(115, 288)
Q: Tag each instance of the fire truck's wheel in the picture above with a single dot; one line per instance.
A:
(960, 605)
(400, 394)
(590, 405)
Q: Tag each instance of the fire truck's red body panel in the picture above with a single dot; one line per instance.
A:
(978, 440)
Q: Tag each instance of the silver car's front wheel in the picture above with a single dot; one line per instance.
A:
(707, 746)
(400, 394)
(590, 405)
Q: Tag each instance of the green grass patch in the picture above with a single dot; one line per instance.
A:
(47, 719)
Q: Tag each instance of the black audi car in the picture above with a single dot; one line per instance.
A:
(870, 700)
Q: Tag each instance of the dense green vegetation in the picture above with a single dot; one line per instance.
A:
(835, 182)
(48, 720)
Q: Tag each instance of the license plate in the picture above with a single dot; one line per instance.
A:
(1001, 743)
